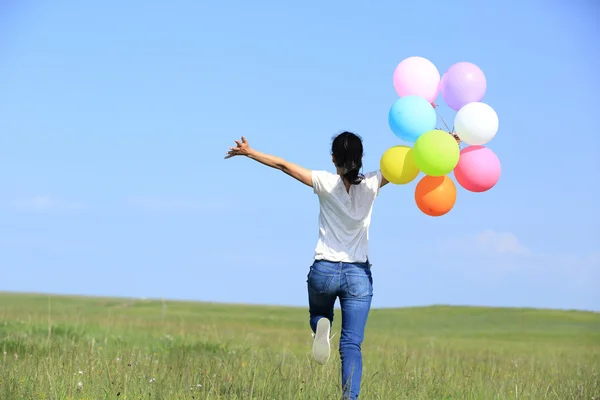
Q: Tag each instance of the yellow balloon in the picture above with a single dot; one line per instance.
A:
(398, 165)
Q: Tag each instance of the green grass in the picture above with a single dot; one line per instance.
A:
(146, 349)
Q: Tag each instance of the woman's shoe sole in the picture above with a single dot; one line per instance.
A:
(321, 345)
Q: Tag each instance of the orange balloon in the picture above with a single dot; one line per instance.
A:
(435, 195)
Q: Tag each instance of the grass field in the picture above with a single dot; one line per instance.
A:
(55, 347)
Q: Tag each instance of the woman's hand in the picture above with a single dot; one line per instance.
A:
(242, 149)
(456, 137)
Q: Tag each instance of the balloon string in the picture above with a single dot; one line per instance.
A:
(450, 131)
(442, 118)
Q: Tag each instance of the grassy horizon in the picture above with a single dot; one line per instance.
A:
(82, 347)
(30, 294)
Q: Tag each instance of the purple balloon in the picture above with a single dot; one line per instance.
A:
(462, 84)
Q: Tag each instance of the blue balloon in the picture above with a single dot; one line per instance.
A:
(410, 117)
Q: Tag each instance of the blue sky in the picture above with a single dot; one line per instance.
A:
(115, 117)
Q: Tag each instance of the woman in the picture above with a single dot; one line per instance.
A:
(341, 267)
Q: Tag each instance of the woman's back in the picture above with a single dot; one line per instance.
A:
(345, 216)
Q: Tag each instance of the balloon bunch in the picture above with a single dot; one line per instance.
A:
(436, 153)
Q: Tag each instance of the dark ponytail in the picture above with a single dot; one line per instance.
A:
(347, 149)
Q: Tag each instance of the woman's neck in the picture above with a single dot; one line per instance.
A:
(346, 183)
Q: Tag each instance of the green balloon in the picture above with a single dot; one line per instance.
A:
(436, 153)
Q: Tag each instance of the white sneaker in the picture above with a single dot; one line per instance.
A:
(321, 345)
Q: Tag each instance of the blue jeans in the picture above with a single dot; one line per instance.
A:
(353, 284)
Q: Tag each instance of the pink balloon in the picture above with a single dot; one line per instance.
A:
(417, 76)
(478, 169)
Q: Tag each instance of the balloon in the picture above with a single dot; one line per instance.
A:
(435, 195)
(476, 123)
(398, 165)
(436, 153)
(410, 117)
(462, 84)
(478, 169)
(417, 76)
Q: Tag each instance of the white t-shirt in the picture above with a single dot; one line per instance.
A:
(344, 218)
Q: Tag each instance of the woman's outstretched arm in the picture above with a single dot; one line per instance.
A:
(295, 171)
(383, 181)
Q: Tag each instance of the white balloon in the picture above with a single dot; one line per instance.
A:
(476, 123)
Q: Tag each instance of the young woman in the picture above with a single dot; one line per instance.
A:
(341, 267)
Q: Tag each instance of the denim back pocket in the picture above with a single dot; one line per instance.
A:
(318, 282)
(359, 284)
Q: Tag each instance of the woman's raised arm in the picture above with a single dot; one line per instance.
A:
(295, 171)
